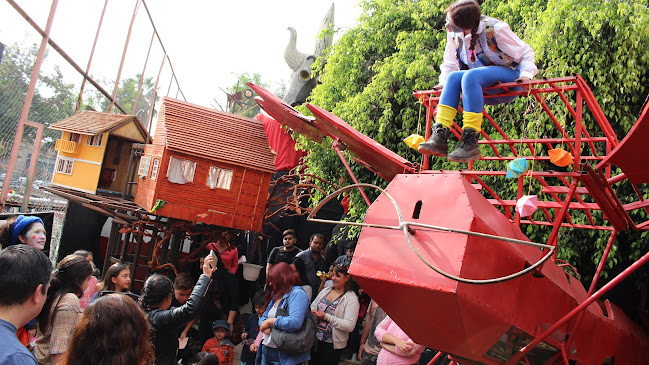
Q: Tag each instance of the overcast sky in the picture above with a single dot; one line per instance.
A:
(207, 40)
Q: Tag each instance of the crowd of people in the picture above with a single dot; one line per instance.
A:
(64, 315)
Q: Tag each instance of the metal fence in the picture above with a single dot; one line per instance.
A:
(57, 63)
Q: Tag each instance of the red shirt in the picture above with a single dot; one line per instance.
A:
(229, 257)
(222, 350)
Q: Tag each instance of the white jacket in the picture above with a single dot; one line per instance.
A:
(345, 316)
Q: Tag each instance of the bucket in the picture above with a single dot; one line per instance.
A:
(251, 271)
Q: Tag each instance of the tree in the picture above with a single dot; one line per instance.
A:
(54, 99)
(240, 98)
(126, 94)
(369, 75)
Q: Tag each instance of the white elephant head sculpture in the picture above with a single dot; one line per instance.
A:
(303, 79)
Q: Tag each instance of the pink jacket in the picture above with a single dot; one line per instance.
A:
(400, 358)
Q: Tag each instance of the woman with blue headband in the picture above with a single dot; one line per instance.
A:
(25, 229)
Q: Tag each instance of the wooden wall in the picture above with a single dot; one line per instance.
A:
(240, 207)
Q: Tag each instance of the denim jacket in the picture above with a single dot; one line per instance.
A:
(298, 307)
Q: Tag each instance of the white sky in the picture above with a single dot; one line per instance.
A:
(207, 40)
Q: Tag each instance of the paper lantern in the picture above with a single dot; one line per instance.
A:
(516, 168)
(526, 205)
(560, 157)
(413, 141)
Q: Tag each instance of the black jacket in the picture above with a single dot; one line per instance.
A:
(165, 322)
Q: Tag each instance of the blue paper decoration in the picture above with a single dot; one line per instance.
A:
(516, 168)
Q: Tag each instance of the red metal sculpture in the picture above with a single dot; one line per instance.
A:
(457, 253)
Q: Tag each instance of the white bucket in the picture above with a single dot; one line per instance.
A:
(251, 271)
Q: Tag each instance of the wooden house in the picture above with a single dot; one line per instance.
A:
(206, 166)
(94, 151)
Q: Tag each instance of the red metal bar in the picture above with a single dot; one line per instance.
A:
(593, 284)
(121, 64)
(568, 225)
(32, 163)
(555, 121)
(616, 179)
(437, 356)
(579, 199)
(561, 215)
(146, 8)
(155, 96)
(578, 131)
(429, 124)
(544, 140)
(65, 56)
(597, 111)
(170, 82)
(139, 86)
(615, 214)
(575, 114)
(623, 275)
(92, 53)
(27, 104)
(336, 148)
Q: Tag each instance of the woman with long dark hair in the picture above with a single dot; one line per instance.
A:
(117, 279)
(337, 310)
(156, 301)
(283, 286)
(112, 331)
(93, 287)
(62, 311)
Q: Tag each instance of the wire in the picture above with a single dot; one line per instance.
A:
(406, 228)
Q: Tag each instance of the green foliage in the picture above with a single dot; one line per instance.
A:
(126, 94)
(369, 75)
(244, 105)
(54, 99)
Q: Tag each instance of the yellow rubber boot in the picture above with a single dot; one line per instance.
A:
(471, 120)
(445, 115)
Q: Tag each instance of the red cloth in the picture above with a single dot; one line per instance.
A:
(229, 257)
(280, 140)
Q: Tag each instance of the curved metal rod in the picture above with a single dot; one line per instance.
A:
(406, 227)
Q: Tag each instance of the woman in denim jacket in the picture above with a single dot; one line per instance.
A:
(283, 285)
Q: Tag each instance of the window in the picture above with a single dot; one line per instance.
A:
(75, 137)
(154, 171)
(181, 171)
(94, 140)
(219, 178)
(64, 166)
(145, 162)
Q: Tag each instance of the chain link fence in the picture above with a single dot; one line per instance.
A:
(146, 76)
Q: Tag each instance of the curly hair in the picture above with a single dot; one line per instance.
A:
(68, 277)
(466, 14)
(112, 331)
(156, 288)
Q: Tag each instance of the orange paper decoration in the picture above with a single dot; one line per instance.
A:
(560, 157)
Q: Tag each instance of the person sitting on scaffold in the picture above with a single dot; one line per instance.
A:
(480, 51)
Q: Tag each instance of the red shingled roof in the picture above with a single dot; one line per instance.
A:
(89, 122)
(208, 133)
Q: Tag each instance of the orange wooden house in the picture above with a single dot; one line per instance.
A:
(206, 166)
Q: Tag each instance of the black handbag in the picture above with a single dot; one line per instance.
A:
(297, 342)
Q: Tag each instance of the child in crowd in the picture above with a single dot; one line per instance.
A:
(93, 284)
(346, 259)
(248, 352)
(205, 358)
(219, 345)
(326, 278)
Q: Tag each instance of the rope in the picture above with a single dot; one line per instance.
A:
(406, 227)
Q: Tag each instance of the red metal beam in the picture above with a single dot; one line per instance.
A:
(581, 307)
(121, 64)
(27, 103)
(92, 53)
